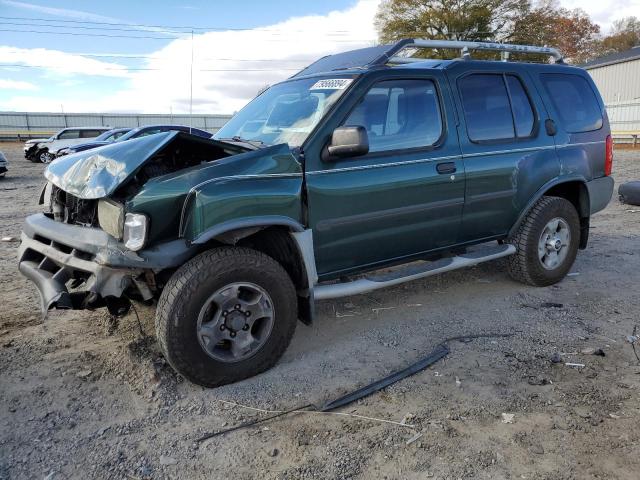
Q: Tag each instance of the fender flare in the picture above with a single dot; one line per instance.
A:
(247, 223)
(584, 202)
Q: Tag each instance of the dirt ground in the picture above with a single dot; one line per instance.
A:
(83, 396)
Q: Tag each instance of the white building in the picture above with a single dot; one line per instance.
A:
(618, 79)
(617, 75)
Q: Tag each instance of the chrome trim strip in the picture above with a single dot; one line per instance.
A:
(566, 145)
(515, 150)
(381, 165)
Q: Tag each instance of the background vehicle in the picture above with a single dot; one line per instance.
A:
(104, 139)
(362, 161)
(3, 165)
(134, 133)
(45, 151)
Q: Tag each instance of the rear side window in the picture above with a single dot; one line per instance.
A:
(90, 133)
(574, 100)
(399, 114)
(496, 107)
(69, 135)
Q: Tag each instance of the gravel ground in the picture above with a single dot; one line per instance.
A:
(84, 396)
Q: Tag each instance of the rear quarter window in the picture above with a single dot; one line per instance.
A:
(574, 100)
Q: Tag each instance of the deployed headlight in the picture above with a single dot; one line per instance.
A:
(111, 217)
(135, 231)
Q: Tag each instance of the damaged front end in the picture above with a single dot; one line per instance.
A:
(77, 252)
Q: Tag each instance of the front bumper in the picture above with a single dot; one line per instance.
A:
(3, 169)
(52, 254)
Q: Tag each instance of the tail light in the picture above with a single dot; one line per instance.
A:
(608, 159)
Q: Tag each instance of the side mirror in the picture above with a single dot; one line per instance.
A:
(347, 142)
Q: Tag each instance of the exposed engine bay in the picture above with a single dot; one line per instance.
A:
(121, 173)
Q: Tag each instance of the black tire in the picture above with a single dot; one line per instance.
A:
(630, 192)
(187, 292)
(525, 265)
(43, 156)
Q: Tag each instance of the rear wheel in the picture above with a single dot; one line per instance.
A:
(226, 315)
(546, 243)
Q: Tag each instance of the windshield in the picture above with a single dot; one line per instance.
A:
(285, 113)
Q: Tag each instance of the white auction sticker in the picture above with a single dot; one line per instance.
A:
(332, 84)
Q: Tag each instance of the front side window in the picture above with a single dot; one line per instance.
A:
(574, 100)
(69, 135)
(496, 107)
(285, 113)
(399, 114)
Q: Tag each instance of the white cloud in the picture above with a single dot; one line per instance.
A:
(250, 59)
(16, 85)
(604, 13)
(60, 63)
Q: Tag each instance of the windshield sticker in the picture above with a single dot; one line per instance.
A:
(332, 84)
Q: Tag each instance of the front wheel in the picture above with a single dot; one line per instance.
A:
(226, 315)
(44, 156)
(546, 243)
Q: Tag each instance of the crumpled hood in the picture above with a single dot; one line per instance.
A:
(97, 173)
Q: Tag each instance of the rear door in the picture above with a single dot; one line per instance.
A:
(507, 152)
(405, 196)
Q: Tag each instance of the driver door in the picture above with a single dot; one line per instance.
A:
(402, 199)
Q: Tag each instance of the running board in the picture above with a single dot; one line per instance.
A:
(412, 272)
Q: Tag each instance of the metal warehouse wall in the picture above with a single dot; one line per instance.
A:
(28, 125)
(618, 82)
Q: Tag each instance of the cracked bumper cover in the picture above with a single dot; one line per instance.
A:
(51, 253)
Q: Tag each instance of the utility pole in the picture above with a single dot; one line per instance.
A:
(191, 88)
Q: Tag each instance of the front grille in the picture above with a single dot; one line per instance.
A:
(70, 209)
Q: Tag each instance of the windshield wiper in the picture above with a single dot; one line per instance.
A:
(254, 144)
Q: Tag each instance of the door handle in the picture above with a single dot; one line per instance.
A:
(446, 168)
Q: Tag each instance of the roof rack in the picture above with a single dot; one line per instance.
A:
(393, 55)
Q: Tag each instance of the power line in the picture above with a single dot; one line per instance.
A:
(125, 69)
(89, 34)
(155, 38)
(189, 28)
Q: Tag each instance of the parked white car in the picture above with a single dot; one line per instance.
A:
(45, 151)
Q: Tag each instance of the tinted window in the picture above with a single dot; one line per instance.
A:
(521, 106)
(486, 107)
(90, 133)
(574, 100)
(69, 134)
(399, 114)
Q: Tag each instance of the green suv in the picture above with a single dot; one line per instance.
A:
(366, 160)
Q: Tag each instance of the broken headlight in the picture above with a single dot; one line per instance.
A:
(135, 231)
(111, 218)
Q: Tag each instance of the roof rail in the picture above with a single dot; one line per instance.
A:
(392, 57)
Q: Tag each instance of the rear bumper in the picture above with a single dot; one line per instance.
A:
(51, 254)
(600, 192)
(3, 169)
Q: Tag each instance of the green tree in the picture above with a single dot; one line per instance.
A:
(625, 34)
(513, 21)
(448, 19)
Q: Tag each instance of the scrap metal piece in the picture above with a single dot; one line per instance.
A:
(440, 352)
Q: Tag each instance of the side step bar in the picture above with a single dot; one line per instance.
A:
(412, 272)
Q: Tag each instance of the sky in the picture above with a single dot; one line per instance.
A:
(87, 57)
